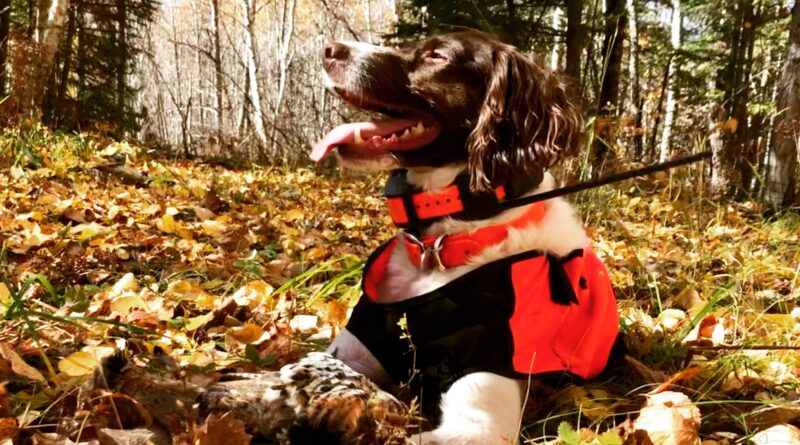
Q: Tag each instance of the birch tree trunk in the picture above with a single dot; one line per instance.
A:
(253, 96)
(218, 86)
(54, 28)
(555, 55)
(672, 93)
(285, 41)
(5, 25)
(782, 166)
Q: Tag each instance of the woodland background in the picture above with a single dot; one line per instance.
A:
(158, 202)
(242, 80)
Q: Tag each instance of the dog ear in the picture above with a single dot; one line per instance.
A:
(527, 121)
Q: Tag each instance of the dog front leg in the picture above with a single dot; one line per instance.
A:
(479, 409)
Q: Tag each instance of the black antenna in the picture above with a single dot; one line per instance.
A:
(581, 186)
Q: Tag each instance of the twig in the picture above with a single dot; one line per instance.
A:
(744, 348)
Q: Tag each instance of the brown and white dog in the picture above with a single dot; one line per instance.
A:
(463, 104)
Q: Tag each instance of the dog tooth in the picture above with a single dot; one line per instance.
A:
(406, 133)
(358, 139)
(418, 129)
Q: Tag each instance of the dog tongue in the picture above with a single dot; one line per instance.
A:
(345, 135)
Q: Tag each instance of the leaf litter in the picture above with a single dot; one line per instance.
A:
(194, 270)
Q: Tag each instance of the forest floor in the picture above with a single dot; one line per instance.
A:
(104, 247)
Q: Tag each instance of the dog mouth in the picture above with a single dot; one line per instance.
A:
(400, 130)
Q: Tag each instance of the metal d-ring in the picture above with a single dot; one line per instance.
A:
(434, 251)
(427, 253)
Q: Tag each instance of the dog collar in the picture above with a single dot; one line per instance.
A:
(448, 251)
(412, 208)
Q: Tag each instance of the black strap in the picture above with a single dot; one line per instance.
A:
(561, 291)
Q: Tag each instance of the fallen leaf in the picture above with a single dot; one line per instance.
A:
(294, 214)
(669, 418)
(126, 283)
(5, 294)
(8, 427)
(777, 435)
(222, 430)
(78, 364)
(29, 238)
(709, 330)
(739, 378)
(303, 323)
(248, 333)
(18, 365)
(680, 376)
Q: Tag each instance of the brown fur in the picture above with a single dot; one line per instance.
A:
(501, 112)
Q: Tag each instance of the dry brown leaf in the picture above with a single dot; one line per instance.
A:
(8, 427)
(669, 418)
(680, 376)
(18, 365)
(222, 430)
(647, 374)
(247, 333)
(710, 330)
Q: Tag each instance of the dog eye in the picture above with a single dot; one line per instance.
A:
(434, 55)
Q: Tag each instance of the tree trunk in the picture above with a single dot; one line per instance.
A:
(54, 28)
(555, 55)
(672, 100)
(122, 63)
(633, 74)
(748, 158)
(608, 103)
(732, 160)
(287, 32)
(5, 25)
(58, 112)
(782, 167)
(574, 39)
(253, 96)
(217, 69)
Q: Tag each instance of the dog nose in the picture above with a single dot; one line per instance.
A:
(336, 51)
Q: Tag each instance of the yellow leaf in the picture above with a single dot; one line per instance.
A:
(254, 293)
(123, 305)
(5, 294)
(248, 333)
(167, 224)
(213, 227)
(18, 365)
(294, 214)
(126, 283)
(194, 323)
(189, 290)
(88, 231)
(78, 364)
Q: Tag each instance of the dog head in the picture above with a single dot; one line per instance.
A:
(457, 99)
